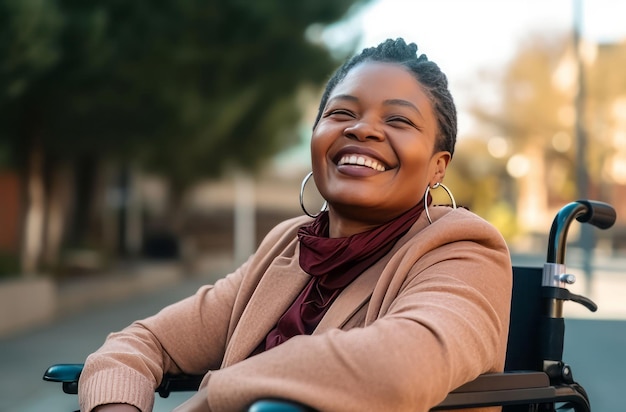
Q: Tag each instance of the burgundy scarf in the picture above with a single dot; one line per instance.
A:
(333, 263)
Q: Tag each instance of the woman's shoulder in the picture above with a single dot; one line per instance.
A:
(453, 233)
(461, 224)
(445, 215)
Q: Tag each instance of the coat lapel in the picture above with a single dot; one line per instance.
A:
(353, 297)
(360, 290)
(271, 299)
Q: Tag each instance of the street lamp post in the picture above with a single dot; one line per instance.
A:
(586, 240)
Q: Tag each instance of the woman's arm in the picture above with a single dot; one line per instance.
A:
(131, 363)
(189, 337)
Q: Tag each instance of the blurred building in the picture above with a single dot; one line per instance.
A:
(10, 207)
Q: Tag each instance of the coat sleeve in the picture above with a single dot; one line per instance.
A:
(186, 336)
(441, 322)
(189, 336)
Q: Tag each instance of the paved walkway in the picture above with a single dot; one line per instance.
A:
(69, 339)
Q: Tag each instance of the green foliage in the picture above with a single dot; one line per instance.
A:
(186, 86)
(9, 265)
(29, 32)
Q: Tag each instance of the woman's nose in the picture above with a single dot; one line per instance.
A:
(363, 129)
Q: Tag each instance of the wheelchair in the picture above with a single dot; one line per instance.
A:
(535, 377)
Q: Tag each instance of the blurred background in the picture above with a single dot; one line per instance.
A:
(146, 143)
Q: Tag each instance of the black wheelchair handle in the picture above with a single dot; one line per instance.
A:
(599, 214)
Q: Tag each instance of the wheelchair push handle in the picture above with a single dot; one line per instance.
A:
(555, 281)
(599, 214)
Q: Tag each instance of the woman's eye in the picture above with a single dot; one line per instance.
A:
(401, 120)
(340, 113)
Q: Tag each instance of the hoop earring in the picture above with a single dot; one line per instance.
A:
(435, 186)
(304, 182)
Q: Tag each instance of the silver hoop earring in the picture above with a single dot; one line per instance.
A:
(435, 186)
(302, 186)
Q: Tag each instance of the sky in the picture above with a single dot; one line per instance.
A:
(466, 36)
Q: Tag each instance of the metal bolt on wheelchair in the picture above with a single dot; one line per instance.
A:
(535, 377)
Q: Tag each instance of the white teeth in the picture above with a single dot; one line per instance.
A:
(361, 161)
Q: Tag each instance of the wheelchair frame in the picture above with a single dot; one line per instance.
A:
(535, 375)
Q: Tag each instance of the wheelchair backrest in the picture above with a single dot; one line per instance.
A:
(524, 344)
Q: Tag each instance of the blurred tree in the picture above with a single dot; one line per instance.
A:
(184, 87)
(535, 120)
(534, 109)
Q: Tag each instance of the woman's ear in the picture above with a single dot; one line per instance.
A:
(440, 161)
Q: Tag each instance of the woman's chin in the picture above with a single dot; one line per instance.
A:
(359, 206)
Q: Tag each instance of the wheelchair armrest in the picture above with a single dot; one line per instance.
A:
(67, 374)
(277, 405)
(511, 388)
(505, 381)
(178, 383)
(486, 390)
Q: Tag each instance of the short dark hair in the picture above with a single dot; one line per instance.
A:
(427, 73)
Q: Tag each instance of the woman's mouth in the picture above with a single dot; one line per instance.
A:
(361, 160)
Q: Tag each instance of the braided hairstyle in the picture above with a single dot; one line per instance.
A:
(433, 81)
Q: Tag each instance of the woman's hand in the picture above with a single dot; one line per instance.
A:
(116, 407)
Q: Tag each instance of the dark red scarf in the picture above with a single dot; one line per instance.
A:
(333, 263)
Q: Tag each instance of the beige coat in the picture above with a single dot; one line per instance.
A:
(429, 316)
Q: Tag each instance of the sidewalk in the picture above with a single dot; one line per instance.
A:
(27, 304)
(69, 339)
(135, 279)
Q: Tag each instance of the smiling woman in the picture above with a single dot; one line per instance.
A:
(371, 304)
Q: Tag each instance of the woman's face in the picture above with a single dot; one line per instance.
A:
(373, 148)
